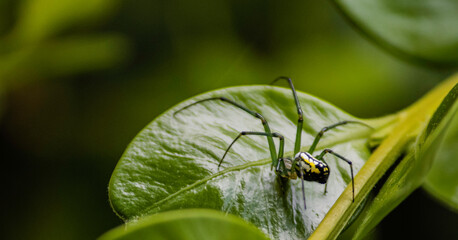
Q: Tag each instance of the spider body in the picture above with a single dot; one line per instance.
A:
(313, 169)
(303, 165)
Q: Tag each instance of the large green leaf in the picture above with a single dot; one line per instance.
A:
(422, 30)
(192, 224)
(172, 163)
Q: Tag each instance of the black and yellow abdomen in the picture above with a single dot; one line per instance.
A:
(312, 168)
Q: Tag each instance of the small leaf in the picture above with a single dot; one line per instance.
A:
(423, 31)
(442, 180)
(192, 224)
(173, 162)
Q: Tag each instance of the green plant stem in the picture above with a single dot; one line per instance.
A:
(410, 122)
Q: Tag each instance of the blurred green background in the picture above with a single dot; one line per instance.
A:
(79, 79)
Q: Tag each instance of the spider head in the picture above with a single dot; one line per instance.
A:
(287, 171)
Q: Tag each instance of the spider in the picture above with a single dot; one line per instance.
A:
(304, 165)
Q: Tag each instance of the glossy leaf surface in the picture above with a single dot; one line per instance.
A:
(424, 31)
(172, 163)
(192, 224)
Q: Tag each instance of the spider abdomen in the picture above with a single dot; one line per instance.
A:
(312, 169)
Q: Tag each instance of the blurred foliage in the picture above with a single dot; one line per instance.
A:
(42, 19)
(421, 31)
(44, 42)
(79, 79)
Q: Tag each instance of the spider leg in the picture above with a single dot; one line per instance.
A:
(243, 133)
(281, 168)
(302, 181)
(326, 184)
(269, 135)
(325, 129)
(320, 157)
(300, 121)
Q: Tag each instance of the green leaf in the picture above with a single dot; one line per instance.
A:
(173, 162)
(417, 136)
(423, 31)
(198, 224)
(442, 180)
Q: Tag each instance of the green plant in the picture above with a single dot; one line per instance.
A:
(172, 163)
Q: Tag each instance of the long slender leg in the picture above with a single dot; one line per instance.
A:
(270, 140)
(243, 133)
(325, 129)
(320, 157)
(302, 182)
(300, 121)
(326, 184)
(278, 169)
